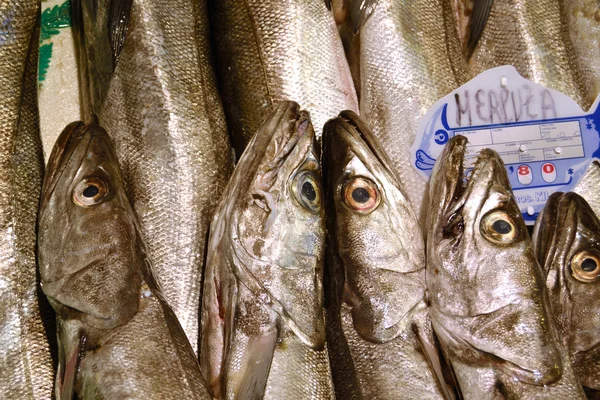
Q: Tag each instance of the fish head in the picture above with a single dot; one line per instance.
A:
(485, 285)
(87, 231)
(374, 231)
(567, 242)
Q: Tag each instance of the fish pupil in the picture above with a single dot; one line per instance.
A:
(360, 195)
(90, 191)
(588, 265)
(502, 227)
(308, 191)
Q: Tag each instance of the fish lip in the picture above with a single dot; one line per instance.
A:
(63, 150)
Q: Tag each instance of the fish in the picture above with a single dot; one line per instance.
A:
(566, 239)
(26, 362)
(263, 332)
(583, 20)
(148, 79)
(378, 329)
(410, 57)
(532, 36)
(118, 338)
(271, 51)
(588, 186)
(489, 307)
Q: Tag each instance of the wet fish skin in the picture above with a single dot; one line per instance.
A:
(588, 186)
(583, 19)
(117, 335)
(410, 58)
(26, 365)
(494, 324)
(567, 229)
(271, 51)
(161, 107)
(263, 333)
(377, 320)
(532, 36)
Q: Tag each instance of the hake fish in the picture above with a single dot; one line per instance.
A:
(270, 51)
(567, 242)
(489, 307)
(263, 333)
(588, 186)
(148, 78)
(532, 36)
(410, 58)
(378, 329)
(26, 370)
(117, 336)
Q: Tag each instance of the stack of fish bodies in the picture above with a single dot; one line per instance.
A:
(354, 280)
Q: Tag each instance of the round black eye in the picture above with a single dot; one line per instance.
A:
(360, 195)
(308, 191)
(501, 226)
(91, 191)
(588, 265)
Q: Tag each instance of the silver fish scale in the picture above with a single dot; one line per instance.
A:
(271, 51)
(26, 370)
(163, 111)
(410, 58)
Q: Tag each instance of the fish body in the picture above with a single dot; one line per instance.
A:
(378, 327)
(263, 333)
(270, 51)
(153, 89)
(26, 367)
(532, 36)
(118, 338)
(489, 307)
(567, 242)
(583, 19)
(588, 186)
(410, 58)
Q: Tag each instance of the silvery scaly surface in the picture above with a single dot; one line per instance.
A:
(489, 307)
(269, 51)
(378, 328)
(117, 336)
(567, 243)
(263, 333)
(26, 370)
(147, 76)
(588, 186)
(410, 57)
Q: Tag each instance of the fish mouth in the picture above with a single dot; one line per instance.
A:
(453, 183)
(545, 234)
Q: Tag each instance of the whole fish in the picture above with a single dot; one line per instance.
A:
(567, 242)
(489, 307)
(26, 370)
(532, 36)
(147, 75)
(583, 19)
(410, 58)
(117, 336)
(378, 329)
(263, 333)
(269, 51)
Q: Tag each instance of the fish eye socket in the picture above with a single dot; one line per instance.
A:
(90, 191)
(499, 228)
(306, 191)
(361, 195)
(585, 266)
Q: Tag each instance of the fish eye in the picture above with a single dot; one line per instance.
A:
(499, 228)
(90, 191)
(585, 266)
(306, 191)
(361, 195)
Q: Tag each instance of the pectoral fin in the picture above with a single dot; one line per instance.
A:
(360, 11)
(70, 343)
(255, 367)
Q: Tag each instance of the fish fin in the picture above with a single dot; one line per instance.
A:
(118, 19)
(428, 345)
(360, 11)
(71, 343)
(328, 4)
(479, 17)
(256, 364)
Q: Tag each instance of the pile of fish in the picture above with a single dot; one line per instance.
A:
(144, 261)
